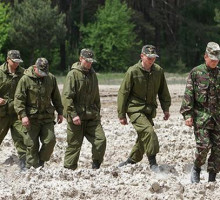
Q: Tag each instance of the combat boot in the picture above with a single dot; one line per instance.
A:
(22, 164)
(195, 174)
(96, 164)
(128, 161)
(153, 163)
(41, 163)
(212, 176)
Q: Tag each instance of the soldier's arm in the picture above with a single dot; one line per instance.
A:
(97, 97)
(20, 99)
(164, 94)
(68, 96)
(123, 94)
(188, 99)
(56, 98)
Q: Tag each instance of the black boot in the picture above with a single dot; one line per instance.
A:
(153, 163)
(22, 164)
(128, 161)
(195, 174)
(41, 163)
(212, 176)
(96, 164)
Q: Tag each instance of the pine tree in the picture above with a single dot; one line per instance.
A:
(111, 36)
(37, 28)
(4, 28)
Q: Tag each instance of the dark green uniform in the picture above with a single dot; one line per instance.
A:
(38, 98)
(8, 116)
(202, 103)
(81, 98)
(137, 97)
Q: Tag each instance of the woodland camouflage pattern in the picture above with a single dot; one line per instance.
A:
(201, 102)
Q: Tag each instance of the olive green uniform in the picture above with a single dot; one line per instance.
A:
(33, 99)
(8, 116)
(137, 97)
(81, 98)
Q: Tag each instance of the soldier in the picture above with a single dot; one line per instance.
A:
(10, 74)
(137, 98)
(81, 102)
(201, 109)
(34, 94)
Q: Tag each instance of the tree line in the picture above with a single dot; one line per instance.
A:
(116, 30)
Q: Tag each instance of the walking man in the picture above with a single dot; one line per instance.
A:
(10, 74)
(201, 109)
(137, 95)
(81, 102)
(37, 97)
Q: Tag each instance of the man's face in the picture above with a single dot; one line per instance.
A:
(12, 64)
(147, 61)
(210, 63)
(85, 64)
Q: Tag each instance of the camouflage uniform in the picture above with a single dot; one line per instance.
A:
(33, 99)
(137, 97)
(202, 103)
(81, 98)
(8, 116)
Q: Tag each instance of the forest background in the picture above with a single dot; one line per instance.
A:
(115, 30)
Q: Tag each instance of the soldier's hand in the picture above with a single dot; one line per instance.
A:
(189, 122)
(123, 121)
(2, 101)
(77, 121)
(166, 115)
(25, 122)
(59, 119)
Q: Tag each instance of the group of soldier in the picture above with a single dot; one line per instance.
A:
(29, 97)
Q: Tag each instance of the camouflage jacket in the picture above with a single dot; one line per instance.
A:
(139, 91)
(201, 100)
(8, 84)
(81, 94)
(36, 97)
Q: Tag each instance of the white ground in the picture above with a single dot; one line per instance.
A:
(110, 182)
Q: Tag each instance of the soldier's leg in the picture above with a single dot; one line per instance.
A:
(214, 158)
(48, 140)
(96, 136)
(4, 127)
(74, 140)
(147, 141)
(17, 134)
(32, 144)
(203, 146)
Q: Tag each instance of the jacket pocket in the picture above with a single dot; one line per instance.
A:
(201, 92)
(50, 110)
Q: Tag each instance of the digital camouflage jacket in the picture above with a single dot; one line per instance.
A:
(37, 98)
(201, 99)
(139, 91)
(8, 84)
(81, 94)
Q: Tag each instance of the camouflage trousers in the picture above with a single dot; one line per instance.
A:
(43, 131)
(147, 141)
(93, 131)
(208, 138)
(12, 123)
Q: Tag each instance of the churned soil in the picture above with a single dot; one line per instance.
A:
(137, 181)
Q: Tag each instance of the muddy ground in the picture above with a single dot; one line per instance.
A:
(110, 182)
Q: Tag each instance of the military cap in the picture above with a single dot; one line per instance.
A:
(213, 51)
(88, 55)
(43, 66)
(149, 51)
(15, 56)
